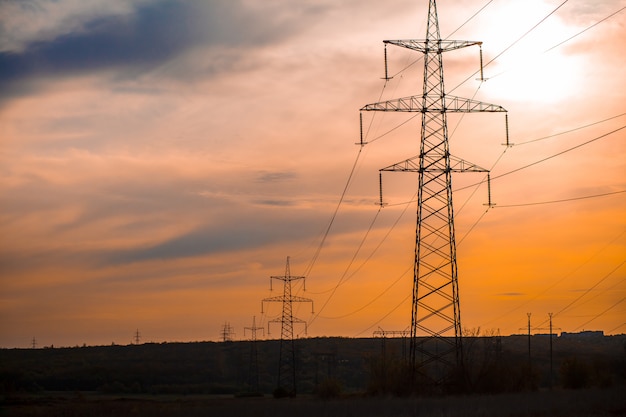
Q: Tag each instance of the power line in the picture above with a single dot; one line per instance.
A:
(373, 300)
(332, 219)
(504, 51)
(584, 30)
(601, 314)
(400, 277)
(385, 316)
(484, 213)
(542, 160)
(347, 269)
(599, 293)
(353, 169)
(572, 272)
(393, 128)
(447, 37)
(589, 289)
(512, 44)
(415, 62)
(538, 162)
(561, 201)
(473, 226)
(367, 259)
(569, 131)
(342, 280)
(526, 33)
(470, 18)
(480, 218)
(555, 155)
(612, 330)
(567, 40)
(395, 223)
(404, 273)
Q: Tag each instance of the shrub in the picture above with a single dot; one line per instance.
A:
(574, 373)
(329, 388)
(281, 392)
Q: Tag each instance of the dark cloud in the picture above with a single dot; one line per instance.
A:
(275, 176)
(228, 237)
(154, 34)
(277, 203)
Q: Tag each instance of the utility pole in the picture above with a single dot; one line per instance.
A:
(287, 353)
(530, 363)
(436, 313)
(551, 329)
(253, 376)
(529, 356)
(551, 363)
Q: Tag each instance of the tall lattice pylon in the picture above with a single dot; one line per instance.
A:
(436, 354)
(287, 354)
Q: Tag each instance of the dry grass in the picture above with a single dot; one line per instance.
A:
(581, 403)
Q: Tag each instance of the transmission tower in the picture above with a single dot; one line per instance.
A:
(287, 355)
(383, 334)
(253, 375)
(227, 334)
(435, 354)
(137, 337)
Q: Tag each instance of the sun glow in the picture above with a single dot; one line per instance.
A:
(528, 55)
(546, 79)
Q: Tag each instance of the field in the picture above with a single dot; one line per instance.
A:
(336, 377)
(565, 403)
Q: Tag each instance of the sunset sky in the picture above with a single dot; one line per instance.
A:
(160, 159)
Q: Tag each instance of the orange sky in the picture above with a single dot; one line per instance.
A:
(160, 160)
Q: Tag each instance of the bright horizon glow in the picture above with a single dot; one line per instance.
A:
(159, 161)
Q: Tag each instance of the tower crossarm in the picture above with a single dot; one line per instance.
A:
(429, 46)
(466, 105)
(404, 104)
(293, 299)
(293, 320)
(283, 321)
(286, 277)
(413, 165)
(452, 104)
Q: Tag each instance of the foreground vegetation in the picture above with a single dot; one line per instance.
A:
(593, 402)
(336, 376)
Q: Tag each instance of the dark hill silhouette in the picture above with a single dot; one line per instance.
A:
(354, 365)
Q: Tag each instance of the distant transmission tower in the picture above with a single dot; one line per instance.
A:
(253, 375)
(227, 333)
(137, 337)
(287, 355)
(436, 354)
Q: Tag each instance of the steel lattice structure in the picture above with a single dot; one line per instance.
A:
(436, 354)
(287, 355)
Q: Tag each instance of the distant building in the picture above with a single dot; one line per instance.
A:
(585, 334)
